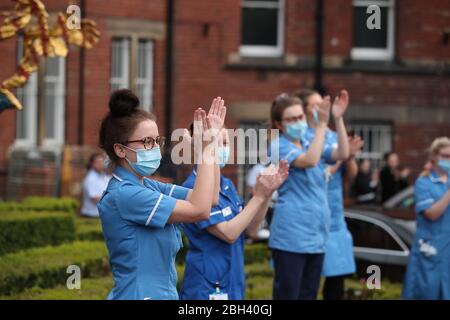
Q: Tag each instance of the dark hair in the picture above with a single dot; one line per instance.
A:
(304, 95)
(121, 121)
(281, 103)
(92, 158)
(387, 155)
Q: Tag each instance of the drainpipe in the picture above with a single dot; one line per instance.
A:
(318, 85)
(81, 84)
(170, 18)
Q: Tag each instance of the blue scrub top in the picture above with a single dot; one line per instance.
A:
(142, 246)
(339, 259)
(301, 218)
(428, 273)
(210, 259)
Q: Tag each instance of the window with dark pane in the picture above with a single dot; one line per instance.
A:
(366, 38)
(260, 22)
(369, 235)
(260, 26)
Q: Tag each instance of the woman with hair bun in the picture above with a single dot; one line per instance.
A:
(139, 215)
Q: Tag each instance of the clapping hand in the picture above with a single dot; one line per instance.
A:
(340, 104)
(271, 179)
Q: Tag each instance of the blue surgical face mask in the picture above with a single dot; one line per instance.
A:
(444, 165)
(147, 161)
(223, 154)
(315, 117)
(297, 130)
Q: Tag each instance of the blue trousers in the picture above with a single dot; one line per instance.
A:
(297, 275)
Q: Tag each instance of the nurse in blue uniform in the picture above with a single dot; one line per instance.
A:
(139, 215)
(300, 226)
(428, 273)
(339, 260)
(215, 260)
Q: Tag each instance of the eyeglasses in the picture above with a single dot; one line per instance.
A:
(294, 119)
(149, 142)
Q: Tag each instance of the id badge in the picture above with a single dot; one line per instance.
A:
(227, 211)
(218, 296)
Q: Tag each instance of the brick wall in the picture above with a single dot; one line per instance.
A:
(417, 103)
(207, 64)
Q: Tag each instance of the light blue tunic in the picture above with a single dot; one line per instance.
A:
(142, 246)
(301, 218)
(339, 259)
(428, 273)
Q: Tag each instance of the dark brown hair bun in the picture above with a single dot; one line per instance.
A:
(123, 103)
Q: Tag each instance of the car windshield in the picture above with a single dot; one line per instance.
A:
(410, 225)
(402, 200)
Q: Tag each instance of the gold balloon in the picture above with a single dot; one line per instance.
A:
(40, 40)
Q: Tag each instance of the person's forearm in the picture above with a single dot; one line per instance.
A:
(312, 156)
(254, 225)
(231, 230)
(203, 191)
(438, 209)
(352, 168)
(343, 149)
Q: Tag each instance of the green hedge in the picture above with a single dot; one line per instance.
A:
(181, 255)
(41, 204)
(88, 229)
(91, 289)
(23, 230)
(258, 287)
(46, 267)
(256, 253)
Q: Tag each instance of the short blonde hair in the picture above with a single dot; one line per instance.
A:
(438, 144)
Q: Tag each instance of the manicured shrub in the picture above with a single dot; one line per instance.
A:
(91, 289)
(46, 267)
(41, 204)
(23, 230)
(255, 253)
(88, 229)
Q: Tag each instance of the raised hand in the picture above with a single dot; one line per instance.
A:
(271, 179)
(214, 121)
(201, 126)
(323, 110)
(355, 144)
(217, 113)
(340, 104)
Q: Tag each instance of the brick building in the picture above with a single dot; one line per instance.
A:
(245, 51)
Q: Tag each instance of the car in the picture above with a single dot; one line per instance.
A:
(400, 206)
(377, 240)
(380, 240)
(382, 236)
